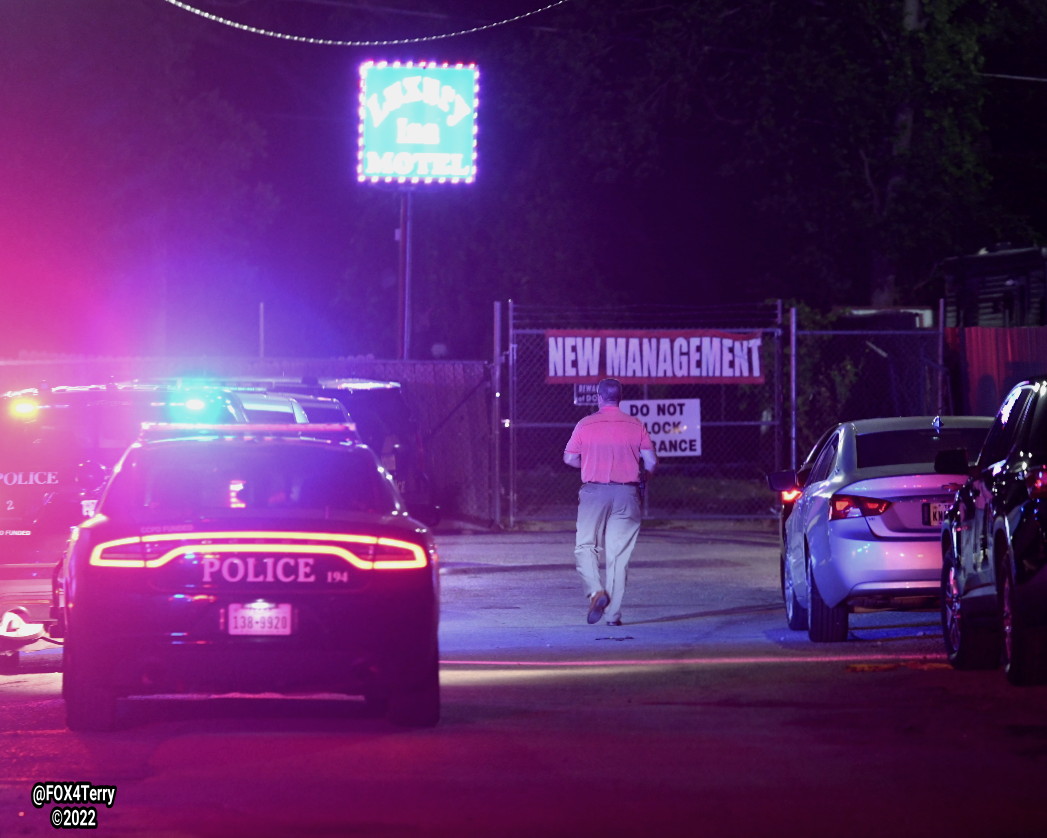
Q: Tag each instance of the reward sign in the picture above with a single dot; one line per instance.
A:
(674, 425)
(661, 357)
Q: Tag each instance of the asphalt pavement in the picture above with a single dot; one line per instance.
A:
(694, 588)
(703, 714)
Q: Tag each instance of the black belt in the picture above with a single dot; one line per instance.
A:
(611, 483)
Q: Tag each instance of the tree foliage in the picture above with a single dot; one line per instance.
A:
(712, 151)
(630, 151)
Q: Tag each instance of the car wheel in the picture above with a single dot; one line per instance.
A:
(967, 645)
(1023, 647)
(89, 704)
(826, 624)
(417, 705)
(795, 614)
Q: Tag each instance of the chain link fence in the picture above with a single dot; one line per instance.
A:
(715, 441)
(810, 380)
(450, 402)
(843, 375)
(497, 458)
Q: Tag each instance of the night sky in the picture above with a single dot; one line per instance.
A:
(163, 175)
(112, 171)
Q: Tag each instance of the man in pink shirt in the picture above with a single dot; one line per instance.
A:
(608, 446)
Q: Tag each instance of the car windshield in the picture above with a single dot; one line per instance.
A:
(187, 479)
(916, 445)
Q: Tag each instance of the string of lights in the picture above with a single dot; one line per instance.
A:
(1011, 78)
(331, 42)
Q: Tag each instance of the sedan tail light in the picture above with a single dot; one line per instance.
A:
(853, 506)
(1036, 482)
(790, 495)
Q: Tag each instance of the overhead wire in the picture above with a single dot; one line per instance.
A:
(271, 33)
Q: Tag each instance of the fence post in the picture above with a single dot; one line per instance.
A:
(941, 356)
(512, 416)
(779, 389)
(496, 411)
(792, 387)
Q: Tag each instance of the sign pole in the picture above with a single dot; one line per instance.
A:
(417, 125)
(405, 273)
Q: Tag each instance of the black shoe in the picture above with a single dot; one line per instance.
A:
(597, 603)
(614, 622)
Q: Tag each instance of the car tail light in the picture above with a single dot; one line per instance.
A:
(1036, 482)
(391, 554)
(790, 495)
(853, 506)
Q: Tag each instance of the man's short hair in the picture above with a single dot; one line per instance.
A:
(610, 390)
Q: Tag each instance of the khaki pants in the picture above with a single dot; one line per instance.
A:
(608, 525)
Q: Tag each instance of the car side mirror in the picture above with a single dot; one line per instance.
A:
(952, 461)
(782, 481)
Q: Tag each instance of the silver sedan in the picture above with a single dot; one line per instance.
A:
(865, 530)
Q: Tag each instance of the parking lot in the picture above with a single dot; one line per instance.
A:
(703, 709)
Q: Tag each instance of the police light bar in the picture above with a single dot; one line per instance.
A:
(328, 430)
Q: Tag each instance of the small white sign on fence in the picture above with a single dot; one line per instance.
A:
(585, 395)
(675, 425)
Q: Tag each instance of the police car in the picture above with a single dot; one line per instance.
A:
(246, 558)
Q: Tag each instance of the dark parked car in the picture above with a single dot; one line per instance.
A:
(994, 545)
(250, 560)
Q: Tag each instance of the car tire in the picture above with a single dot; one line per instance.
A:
(417, 705)
(795, 614)
(826, 624)
(89, 704)
(968, 645)
(1023, 646)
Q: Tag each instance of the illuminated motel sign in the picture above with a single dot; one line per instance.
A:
(417, 122)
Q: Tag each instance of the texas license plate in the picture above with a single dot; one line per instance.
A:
(934, 513)
(260, 619)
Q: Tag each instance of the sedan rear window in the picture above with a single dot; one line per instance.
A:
(918, 445)
(188, 479)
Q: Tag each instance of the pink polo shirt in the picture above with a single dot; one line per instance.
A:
(609, 442)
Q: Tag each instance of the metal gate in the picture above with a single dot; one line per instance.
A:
(709, 380)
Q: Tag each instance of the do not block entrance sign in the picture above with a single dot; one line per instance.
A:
(675, 425)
